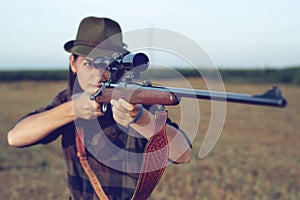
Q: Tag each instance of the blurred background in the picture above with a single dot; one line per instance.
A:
(254, 45)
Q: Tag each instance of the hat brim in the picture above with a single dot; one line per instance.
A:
(91, 51)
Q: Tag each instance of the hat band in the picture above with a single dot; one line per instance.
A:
(86, 42)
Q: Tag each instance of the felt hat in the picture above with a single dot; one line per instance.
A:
(97, 37)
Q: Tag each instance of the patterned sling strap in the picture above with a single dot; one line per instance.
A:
(154, 162)
(155, 159)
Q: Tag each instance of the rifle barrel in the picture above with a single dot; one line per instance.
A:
(272, 97)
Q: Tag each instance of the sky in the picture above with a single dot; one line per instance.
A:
(249, 33)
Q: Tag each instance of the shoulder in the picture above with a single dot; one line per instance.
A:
(61, 97)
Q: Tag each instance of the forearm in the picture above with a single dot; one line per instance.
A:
(179, 149)
(35, 127)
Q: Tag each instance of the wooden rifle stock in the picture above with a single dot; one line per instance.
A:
(137, 96)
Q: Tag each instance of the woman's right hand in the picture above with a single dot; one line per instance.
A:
(85, 108)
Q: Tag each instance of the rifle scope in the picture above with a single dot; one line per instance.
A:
(126, 62)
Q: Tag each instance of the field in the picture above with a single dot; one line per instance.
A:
(256, 157)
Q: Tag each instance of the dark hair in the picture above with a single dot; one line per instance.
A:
(72, 78)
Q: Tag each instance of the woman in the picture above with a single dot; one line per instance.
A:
(119, 125)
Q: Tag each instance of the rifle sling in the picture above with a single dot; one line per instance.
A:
(154, 162)
(81, 154)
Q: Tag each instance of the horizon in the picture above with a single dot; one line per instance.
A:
(61, 68)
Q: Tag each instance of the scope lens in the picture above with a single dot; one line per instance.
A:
(139, 60)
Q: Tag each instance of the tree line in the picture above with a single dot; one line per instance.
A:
(284, 75)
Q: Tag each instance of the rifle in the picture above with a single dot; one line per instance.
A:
(129, 67)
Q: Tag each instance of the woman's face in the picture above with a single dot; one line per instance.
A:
(89, 77)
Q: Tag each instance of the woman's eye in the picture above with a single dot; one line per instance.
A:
(87, 64)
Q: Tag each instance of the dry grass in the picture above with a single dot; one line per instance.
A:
(256, 157)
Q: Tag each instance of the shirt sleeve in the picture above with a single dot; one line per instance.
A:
(60, 98)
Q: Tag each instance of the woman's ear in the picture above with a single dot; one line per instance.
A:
(72, 64)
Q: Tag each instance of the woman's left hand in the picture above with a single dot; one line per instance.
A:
(123, 112)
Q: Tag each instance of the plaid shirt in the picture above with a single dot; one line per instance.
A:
(116, 181)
